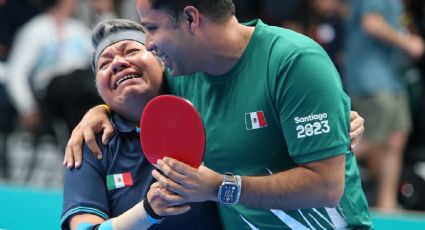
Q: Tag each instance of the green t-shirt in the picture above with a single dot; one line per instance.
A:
(281, 105)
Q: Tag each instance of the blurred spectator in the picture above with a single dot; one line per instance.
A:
(13, 14)
(412, 185)
(7, 121)
(92, 12)
(48, 50)
(416, 23)
(247, 10)
(372, 78)
(58, 45)
(127, 10)
(103, 9)
(289, 14)
(325, 24)
(321, 20)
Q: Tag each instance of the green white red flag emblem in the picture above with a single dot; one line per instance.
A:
(255, 120)
(119, 180)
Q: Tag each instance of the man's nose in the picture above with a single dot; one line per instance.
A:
(150, 45)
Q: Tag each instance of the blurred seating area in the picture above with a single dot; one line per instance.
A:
(46, 83)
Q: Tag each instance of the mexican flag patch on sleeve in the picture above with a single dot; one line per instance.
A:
(119, 180)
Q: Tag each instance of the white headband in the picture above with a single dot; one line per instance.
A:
(118, 36)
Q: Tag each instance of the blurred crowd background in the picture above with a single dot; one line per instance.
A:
(46, 82)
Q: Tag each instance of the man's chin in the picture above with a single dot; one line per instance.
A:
(175, 72)
(178, 72)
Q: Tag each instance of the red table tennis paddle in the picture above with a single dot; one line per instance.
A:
(171, 126)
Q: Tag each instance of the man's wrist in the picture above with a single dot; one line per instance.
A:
(230, 189)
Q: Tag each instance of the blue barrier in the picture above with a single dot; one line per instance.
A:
(29, 208)
(23, 208)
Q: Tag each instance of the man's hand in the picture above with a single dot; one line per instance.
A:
(314, 184)
(191, 184)
(356, 129)
(94, 121)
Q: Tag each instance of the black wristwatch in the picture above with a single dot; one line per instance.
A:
(230, 190)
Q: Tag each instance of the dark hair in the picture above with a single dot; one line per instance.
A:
(45, 4)
(215, 10)
(105, 28)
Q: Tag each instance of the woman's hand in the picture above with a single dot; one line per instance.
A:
(163, 202)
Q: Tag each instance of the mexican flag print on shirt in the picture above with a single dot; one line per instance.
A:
(119, 180)
(255, 120)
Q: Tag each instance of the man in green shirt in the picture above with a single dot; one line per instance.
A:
(275, 114)
(272, 103)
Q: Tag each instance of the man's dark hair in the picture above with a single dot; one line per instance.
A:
(216, 10)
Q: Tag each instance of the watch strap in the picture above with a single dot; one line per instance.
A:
(227, 177)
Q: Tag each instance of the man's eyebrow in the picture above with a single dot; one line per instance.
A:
(147, 23)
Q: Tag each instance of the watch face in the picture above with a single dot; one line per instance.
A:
(228, 193)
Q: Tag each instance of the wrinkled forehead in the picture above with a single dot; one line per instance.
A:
(118, 36)
(119, 47)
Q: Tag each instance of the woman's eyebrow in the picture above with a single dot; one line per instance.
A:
(106, 54)
(109, 53)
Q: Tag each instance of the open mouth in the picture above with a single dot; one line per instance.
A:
(125, 78)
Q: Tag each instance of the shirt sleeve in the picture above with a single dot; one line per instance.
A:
(85, 190)
(372, 6)
(313, 108)
(22, 60)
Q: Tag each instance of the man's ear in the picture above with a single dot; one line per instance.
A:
(191, 17)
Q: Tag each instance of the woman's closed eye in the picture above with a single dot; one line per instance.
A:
(132, 51)
(104, 64)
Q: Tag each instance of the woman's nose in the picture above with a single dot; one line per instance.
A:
(119, 64)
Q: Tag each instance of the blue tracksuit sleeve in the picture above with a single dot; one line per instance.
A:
(79, 193)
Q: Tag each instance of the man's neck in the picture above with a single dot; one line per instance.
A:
(230, 42)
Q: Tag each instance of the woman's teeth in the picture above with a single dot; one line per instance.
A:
(131, 76)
